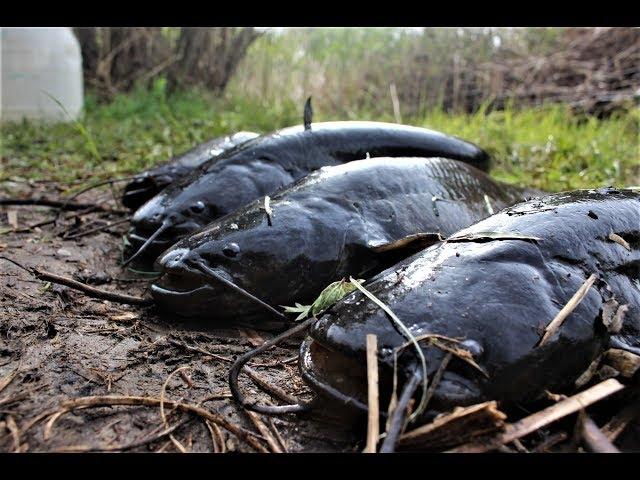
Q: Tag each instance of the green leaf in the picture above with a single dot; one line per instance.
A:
(329, 296)
(90, 143)
(302, 309)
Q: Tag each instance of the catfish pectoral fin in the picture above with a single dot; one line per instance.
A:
(411, 243)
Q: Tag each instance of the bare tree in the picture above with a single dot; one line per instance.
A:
(209, 56)
(116, 59)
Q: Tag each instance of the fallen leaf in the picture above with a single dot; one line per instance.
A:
(329, 296)
(254, 338)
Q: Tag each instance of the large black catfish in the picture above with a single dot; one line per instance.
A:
(489, 292)
(149, 183)
(353, 219)
(260, 166)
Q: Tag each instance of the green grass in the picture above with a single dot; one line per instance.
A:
(547, 148)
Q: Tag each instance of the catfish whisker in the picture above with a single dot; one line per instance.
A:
(148, 242)
(212, 273)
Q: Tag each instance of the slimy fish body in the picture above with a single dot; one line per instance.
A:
(262, 165)
(489, 293)
(146, 185)
(353, 219)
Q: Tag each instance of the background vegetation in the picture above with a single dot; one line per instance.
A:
(460, 81)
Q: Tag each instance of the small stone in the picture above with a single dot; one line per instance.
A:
(63, 253)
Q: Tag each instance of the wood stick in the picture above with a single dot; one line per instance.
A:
(15, 433)
(395, 103)
(112, 400)
(214, 437)
(617, 424)
(163, 390)
(222, 443)
(277, 435)
(594, 439)
(97, 229)
(550, 442)
(437, 377)
(28, 228)
(462, 424)
(45, 202)
(99, 184)
(266, 433)
(4, 382)
(373, 425)
(567, 309)
(154, 436)
(268, 387)
(544, 417)
(90, 291)
(626, 363)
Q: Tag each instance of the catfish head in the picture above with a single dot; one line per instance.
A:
(245, 265)
(201, 197)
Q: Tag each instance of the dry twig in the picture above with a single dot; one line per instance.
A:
(4, 382)
(87, 289)
(594, 439)
(178, 445)
(266, 433)
(15, 433)
(113, 400)
(373, 425)
(96, 229)
(463, 424)
(544, 417)
(573, 302)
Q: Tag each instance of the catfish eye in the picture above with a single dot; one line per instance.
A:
(231, 250)
(197, 207)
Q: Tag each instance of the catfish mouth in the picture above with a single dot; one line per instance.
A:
(141, 253)
(157, 245)
(342, 380)
(143, 187)
(187, 293)
(162, 237)
(333, 375)
(180, 283)
(191, 288)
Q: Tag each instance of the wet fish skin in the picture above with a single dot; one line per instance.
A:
(350, 219)
(269, 162)
(500, 295)
(149, 183)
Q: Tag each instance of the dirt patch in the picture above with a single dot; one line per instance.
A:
(57, 344)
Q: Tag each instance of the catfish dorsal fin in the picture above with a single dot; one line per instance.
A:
(308, 114)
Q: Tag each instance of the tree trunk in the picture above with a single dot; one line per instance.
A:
(117, 58)
(88, 47)
(208, 57)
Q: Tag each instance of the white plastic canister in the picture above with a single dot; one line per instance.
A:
(36, 63)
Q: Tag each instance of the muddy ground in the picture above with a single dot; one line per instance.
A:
(57, 344)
